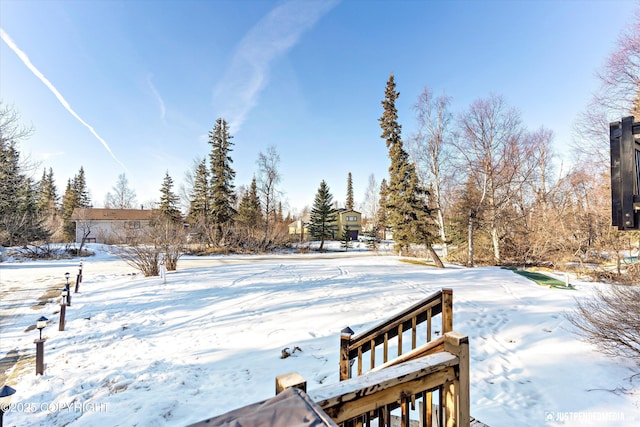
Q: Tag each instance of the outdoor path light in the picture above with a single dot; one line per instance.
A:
(66, 275)
(5, 399)
(63, 308)
(40, 325)
(79, 278)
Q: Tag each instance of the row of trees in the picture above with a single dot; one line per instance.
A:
(479, 181)
(476, 181)
(30, 209)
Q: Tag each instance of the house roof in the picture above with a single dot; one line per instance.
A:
(343, 210)
(94, 214)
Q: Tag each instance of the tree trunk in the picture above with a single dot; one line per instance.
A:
(434, 256)
(496, 243)
(443, 236)
(472, 215)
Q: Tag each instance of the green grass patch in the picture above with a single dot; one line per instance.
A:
(540, 279)
(417, 262)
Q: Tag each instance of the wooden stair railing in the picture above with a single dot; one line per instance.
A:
(353, 348)
(370, 399)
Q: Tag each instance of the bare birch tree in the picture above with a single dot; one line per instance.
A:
(429, 149)
(371, 204)
(122, 197)
(617, 96)
(489, 144)
(268, 179)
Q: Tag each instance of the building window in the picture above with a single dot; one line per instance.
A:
(352, 218)
(132, 225)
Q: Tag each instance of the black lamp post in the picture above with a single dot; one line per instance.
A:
(40, 325)
(5, 399)
(79, 278)
(63, 308)
(66, 286)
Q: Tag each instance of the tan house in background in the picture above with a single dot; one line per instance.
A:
(348, 218)
(103, 225)
(344, 218)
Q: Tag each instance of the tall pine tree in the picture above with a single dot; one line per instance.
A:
(407, 209)
(75, 196)
(69, 203)
(47, 192)
(249, 210)
(199, 198)
(383, 218)
(80, 188)
(168, 207)
(20, 220)
(323, 216)
(349, 204)
(223, 198)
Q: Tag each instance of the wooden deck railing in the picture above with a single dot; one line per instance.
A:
(427, 385)
(401, 394)
(354, 348)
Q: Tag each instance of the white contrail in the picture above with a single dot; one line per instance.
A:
(275, 34)
(163, 110)
(25, 59)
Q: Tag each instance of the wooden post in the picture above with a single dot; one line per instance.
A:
(413, 332)
(458, 344)
(450, 403)
(385, 349)
(292, 379)
(429, 409)
(63, 311)
(345, 366)
(40, 356)
(447, 311)
(373, 354)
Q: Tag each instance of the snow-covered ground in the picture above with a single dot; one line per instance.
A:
(138, 351)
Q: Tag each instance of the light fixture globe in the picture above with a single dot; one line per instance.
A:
(5, 397)
(41, 323)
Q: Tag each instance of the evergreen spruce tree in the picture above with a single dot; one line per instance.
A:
(199, 204)
(168, 207)
(280, 215)
(407, 209)
(223, 198)
(383, 218)
(32, 228)
(69, 203)
(20, 220)
(10, 182)
(47, 192)
(249, 210)
(323, 216)
(80, 188)
(75, 196)
(349, 204)
(346, 238)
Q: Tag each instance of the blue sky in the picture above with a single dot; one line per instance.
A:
(135, 86)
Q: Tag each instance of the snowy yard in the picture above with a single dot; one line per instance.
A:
(137, 351)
